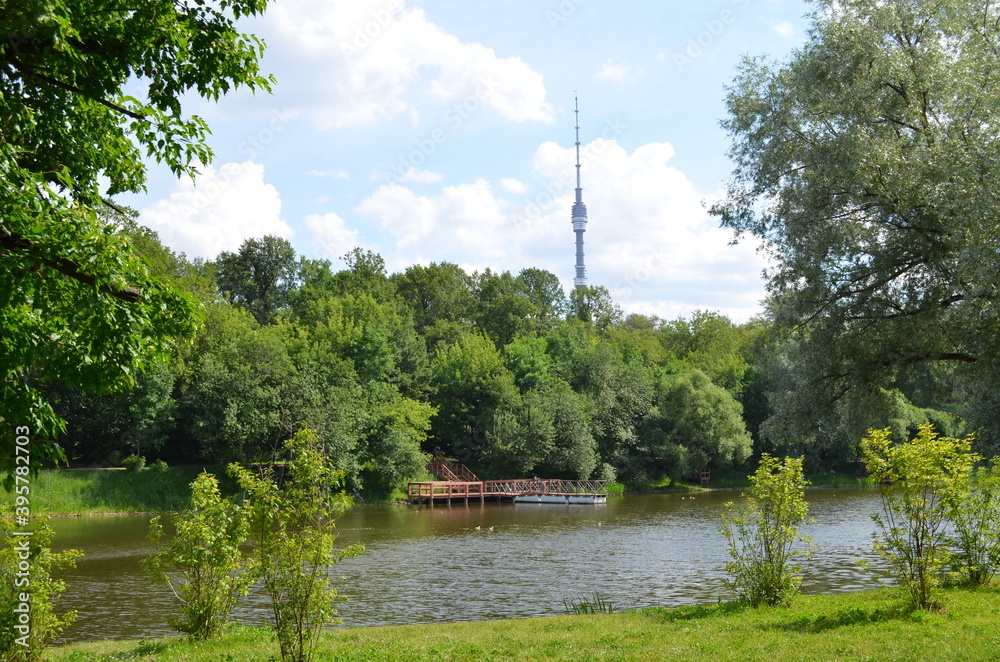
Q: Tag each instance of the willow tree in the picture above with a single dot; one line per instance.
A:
(867, 164)
(77, 303)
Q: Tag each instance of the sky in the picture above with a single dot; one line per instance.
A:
(443, 131)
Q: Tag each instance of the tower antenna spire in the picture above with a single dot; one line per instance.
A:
(579, 209)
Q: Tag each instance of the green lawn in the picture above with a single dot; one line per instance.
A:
(857, 626)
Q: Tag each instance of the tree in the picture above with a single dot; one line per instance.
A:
(594, 305)
(76, 302)
(715, 345)
(502, 310)
(236, 397)
(472, 384)
(545, 292)
(763, 535)
(694, 423)
(441, 292)
(261, 277)
(867, 166)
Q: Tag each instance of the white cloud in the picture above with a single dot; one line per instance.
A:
(217, 211)
(331, 234)
(616, 72)
(783, 28)
(363, 62)
(649, 239)
(463, 223)
(415, 174)
(513, 185)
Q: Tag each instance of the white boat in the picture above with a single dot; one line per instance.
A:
(561, 498)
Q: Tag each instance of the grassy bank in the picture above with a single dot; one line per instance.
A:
(95, 491)
(856, 626)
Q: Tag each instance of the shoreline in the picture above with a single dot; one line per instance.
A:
(869, 624)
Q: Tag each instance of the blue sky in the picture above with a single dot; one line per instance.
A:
(442, 130)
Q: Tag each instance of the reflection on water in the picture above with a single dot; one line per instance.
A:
(431, 564)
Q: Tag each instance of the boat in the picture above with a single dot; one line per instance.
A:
(562, 498)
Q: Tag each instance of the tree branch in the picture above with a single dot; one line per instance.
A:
(76, 90)
(65, 266)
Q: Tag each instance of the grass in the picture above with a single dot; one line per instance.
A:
(95, 491)
(854, 626)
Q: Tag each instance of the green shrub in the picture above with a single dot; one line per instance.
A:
(974, 511)
(159, 466)
(293, 526)
(134, 462)
(762, 535)
(35, 580)
(917, 480)
(615, 488)
(205, 552)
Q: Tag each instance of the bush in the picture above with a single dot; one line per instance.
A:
(974, 511)
(159, 466)
(42, 589)
(205, 551)
(919, 479)
(294, 529)
(134, 462)
(763, 534)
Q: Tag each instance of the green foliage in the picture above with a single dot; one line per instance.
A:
(694, 424)
(918, 481)
(438, 293)
(78, 304)
(472, 384)
(865, 165)
(27, 569)
(205, 553)
(260, 277)
(593, 305)
(236, 392)
(763, 534)
(615, 488)
(974, 512)
(292, 523)
(596, 605)
(134, 463)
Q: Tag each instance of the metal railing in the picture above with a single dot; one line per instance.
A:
(545, 486)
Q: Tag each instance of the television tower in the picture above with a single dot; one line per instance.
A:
(579, 211)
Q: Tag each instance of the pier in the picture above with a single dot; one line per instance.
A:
(456, 483)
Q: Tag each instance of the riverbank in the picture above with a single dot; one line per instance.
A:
(80, 492)
(64, 492)
(869, 625)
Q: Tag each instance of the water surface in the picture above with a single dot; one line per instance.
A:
(426, 564)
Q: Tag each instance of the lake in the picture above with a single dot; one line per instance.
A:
(426, 564)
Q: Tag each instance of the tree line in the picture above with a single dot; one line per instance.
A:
(864, 164)
(504, 372)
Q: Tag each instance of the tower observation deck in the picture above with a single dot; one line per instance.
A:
(579, 211)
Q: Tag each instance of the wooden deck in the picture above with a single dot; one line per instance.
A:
(464, 491)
